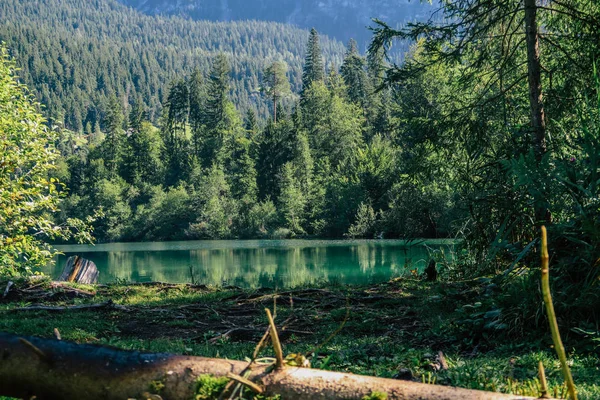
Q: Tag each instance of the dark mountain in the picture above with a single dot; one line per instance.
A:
(342, 19)
(74, 54)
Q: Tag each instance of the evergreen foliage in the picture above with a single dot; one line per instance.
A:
(444, 145)
(75, 54)
(354, 72)
(314, 70)
(311, 172)
(498, 123)
(276, 84)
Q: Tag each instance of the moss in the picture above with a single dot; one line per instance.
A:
(210, 387)
(156, 387)
(376, 396)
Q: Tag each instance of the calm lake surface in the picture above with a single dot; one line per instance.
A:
(256, 263)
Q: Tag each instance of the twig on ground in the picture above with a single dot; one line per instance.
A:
(246, 382)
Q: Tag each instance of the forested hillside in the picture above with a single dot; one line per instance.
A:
(487, 132)
(340, 19)
(74, 54)
(330, 167)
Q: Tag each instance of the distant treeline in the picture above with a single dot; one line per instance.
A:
(330, 167)
(75, 54)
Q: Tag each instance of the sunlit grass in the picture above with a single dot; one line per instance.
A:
(366, 345)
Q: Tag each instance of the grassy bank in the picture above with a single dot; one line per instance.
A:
(396, 329)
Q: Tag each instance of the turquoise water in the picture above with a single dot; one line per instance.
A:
(255, 263)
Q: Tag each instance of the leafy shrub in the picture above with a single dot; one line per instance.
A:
(29, 194)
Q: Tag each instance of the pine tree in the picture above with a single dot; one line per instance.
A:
(313, 64)
(113, 142)
(378, 106)
(355, 76)
(178, 103)
(97, 135)
(88, 129)
(292, 201)
(376, 66)
(333, 125)
(137, 115)
(275, 148)
(218, 90)
(251, 123)
(276, 84)
(241, 170)
(335, 84)
(141, 159)
(216, 110)
(175, 138)
(303, 162)
(196, 102)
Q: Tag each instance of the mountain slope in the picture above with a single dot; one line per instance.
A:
(342, 19)
(75, 53)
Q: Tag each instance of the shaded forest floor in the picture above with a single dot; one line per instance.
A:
(405, 329)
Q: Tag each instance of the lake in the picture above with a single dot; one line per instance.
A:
(255, 263)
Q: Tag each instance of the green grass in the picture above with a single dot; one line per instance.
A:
(393, 329)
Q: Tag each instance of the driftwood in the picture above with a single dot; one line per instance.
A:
(51, 369)
(78, 269)
(65, 291)
(44, 291)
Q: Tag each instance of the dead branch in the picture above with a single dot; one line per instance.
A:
(105, 305)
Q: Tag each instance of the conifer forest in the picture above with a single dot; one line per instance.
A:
(417, 208)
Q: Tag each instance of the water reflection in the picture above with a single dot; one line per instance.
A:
(272, 263)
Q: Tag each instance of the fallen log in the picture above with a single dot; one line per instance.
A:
(51, 369)
(167, 285)
(45, 291)
(105, 305)
(79, 270)
(66, 287)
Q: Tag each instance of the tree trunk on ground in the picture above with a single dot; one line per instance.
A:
(80, 270)
(51, 369)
